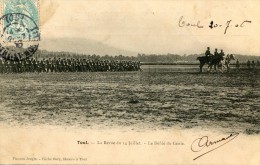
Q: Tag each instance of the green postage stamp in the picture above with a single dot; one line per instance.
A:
(20, 20)
(19, 29)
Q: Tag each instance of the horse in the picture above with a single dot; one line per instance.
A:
(224, 64)
(228, 60)
(210, 60)
(204, 60)
(216, 61)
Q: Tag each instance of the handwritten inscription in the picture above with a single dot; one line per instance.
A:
(202, 143)
(183, 23)
(228, 25)
(213, 25)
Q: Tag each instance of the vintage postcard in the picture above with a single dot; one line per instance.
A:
(130, 82)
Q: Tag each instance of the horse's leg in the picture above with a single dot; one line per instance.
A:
(224, 66)
(209, 68)
(220, 67)
(201, 66)
(215, 67)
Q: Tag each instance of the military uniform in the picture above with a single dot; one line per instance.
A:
(1, 66)
(34, 64)
(237, 64)
(248, 64)
(30, 67)
(12, 66)
(207, 53)
(258, 63)
(253, 64)
(48, 65)
(19, 66)
(216, 54)
(222, 54)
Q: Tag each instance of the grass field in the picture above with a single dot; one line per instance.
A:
(156, 98)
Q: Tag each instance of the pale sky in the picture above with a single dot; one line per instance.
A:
(153, 26)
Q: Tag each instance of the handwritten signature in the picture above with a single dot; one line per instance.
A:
(212, 24)
(201, 143)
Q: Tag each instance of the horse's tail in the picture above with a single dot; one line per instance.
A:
(198, 58)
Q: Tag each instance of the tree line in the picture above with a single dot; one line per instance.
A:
(143, 58)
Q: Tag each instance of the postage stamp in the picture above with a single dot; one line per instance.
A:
(26, 7)
(19, 29)
(21, 20)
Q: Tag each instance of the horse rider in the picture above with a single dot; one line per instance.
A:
(207, 53)
(216, 54)
(222, 54)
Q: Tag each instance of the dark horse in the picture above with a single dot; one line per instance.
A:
(210, 60)
(215, 61)
(204, 60)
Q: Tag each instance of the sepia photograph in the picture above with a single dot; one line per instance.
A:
(130, 82)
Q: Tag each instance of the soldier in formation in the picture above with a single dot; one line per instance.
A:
(237, 65)
(248, 64)
(258, 64)
(67, 65)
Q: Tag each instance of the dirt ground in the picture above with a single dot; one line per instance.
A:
(156, 98)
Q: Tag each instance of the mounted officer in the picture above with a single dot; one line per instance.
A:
(208, 55)
(222, 54)
(216, 54)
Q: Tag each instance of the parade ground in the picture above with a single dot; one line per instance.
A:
(156, 98)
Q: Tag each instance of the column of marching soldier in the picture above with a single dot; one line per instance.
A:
(67, 65)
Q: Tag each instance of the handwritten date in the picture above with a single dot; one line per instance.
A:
(213, 25)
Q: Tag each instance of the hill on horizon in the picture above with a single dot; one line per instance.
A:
(81, 46)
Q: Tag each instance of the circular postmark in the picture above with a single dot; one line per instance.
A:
(19, 36)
